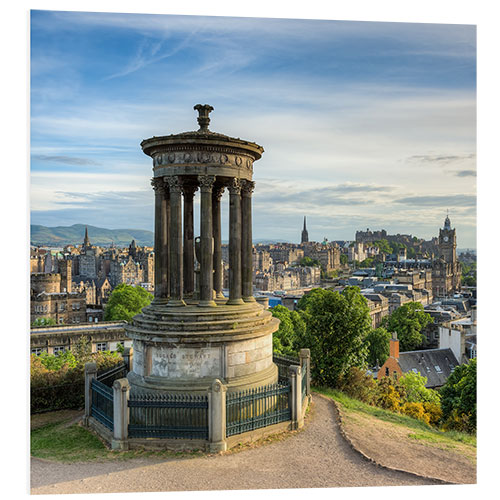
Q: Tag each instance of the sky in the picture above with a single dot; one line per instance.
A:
(364, 124)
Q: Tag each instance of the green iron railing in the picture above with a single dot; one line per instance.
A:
(109, 376)
(283, 362)
(256, 408)
(102, 403)
(168, 416)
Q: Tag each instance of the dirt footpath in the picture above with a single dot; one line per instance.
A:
(316, 457)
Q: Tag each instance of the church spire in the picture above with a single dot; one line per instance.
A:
(305, 234)
(86, 240)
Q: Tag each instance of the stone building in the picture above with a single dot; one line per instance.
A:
(103, 336)
(327, 254)
(87, 260)
(446, 269)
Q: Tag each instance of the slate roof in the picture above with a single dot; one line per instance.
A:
(435, 364)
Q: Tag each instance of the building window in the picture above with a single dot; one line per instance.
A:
(386, 371)
(102, 346)
(37, 351)
(90, 319)
(59, 349)
(438, 368)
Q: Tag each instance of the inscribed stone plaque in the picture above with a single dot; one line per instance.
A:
(183, 362)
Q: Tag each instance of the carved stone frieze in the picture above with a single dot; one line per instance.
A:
(202, 157)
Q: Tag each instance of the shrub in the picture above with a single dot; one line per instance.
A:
(434, 411)
(415, 410)
(58, 381)
(357, 384)
(390, 395)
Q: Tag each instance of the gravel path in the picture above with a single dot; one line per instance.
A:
(317, 457)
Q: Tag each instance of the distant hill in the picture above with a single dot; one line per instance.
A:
(73, 235)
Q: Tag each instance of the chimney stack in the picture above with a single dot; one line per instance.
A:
(394, 346)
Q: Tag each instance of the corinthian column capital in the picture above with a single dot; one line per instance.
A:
(174, 183)
(234, 186)
(217, 192)
(157, 183)
(206, 182)
(188, 189)
(247, 188)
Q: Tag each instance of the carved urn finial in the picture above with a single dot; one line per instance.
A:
(203, 118)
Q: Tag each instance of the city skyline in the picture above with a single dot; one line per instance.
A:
(364, 124)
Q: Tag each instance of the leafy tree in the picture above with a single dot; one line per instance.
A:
(378, 346)
(368, 262)
(416, 392)
(308, 262)
(284, 338)
(411, 253)
(383, 246)
(336, 328)
(44, 322)
(408, 321)
(125, 302)
(458, 398)
(343, 259)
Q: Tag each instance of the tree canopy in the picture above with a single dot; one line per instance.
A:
(459, 399)
(125, 302)
(292, 328)
(408, 321)
(378, 346)
(308, 262)
(44, 322)
(336, 328)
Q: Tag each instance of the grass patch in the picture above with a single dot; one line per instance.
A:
(75, 443)
(424, 432)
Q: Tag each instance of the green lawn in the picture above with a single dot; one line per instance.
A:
(74, 443)
(424, 432)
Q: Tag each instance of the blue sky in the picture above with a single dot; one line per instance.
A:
(364, 124)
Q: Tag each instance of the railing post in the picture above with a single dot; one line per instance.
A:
(294, 375)
(305, 361)
(128, 355)
(217, 417)
(90, 374)
(121, 391)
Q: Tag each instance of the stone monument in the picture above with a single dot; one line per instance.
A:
(186, 338)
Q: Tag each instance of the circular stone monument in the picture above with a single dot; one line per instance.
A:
(190, 335)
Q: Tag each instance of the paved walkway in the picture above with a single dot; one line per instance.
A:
(317, 457)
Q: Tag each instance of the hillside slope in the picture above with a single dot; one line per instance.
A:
(402, 443)
(73, 235)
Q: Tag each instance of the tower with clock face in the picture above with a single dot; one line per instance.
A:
(447, 272)
(447, 243)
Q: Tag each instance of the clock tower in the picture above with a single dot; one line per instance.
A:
(446, 269)
(447, 243)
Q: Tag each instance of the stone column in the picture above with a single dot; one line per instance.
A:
(206, 242)
(235, 243)
(188, 191)
(217, 234)
(175, 247)
(165, 221)
(305, 363)
(295, 378)
(217, 417)
(90, 374)
(246, 241)
(160, 240)
(121, 391)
